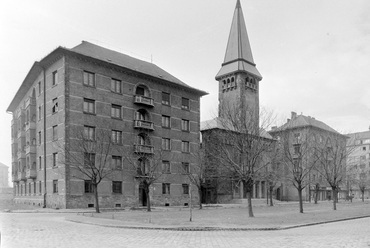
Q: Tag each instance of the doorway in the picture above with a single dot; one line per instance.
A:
(142, 195)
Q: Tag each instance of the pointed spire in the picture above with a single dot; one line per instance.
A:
(238, 56)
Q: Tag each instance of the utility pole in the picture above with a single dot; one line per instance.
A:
(190, 204)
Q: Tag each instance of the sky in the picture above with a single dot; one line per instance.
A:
(314, 55)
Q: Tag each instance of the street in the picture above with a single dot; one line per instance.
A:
(52, 230)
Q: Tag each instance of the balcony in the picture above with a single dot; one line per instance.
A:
(21, 133)
(144, 124)
(145, 149)
(30, 101)
(30, 125)
(30, 149)
(15, 177)
(21, 154)
(31, 173)
(21, 176)
(138, 99)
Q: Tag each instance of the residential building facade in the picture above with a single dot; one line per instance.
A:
(144, 108)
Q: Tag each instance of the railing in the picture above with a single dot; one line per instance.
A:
(31, 173)
(144, 100)
(143, 149)
(144, 124)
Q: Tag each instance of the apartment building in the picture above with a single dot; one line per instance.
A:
(145, 109)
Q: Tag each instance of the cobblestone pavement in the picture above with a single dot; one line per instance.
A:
(52, 230)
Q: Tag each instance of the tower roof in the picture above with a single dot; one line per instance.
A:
(238, 56)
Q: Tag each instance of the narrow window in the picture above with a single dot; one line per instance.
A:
(89, 186)
(39, 138)
(89, 79)
(55, 77)
(55, 159)
(55, 105)
(116, 86)
(185, 168)
(185, 103)
(165, 98)
(40, 163)
(55, 186)
(89, 132)
(39, 86)
(55, 132)
(40, 187)
(166, 188)
(116, 111)
(166, 121)
(185, 189)
(40, 113)
(117, 187)
(89, 106)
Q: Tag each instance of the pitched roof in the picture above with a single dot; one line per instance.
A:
(3, 165)
(300, 121)
(238, 56)
(360, 135)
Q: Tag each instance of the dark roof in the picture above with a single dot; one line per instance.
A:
(102, 54)
(301, 121)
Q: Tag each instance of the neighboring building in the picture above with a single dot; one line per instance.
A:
(358, 146)
(304, 135)
(143, 105)
(4, 176)
(238, 81)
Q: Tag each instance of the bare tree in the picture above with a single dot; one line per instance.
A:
(358, 175)
(296, 155)
(240, 144)
(331, 156)
(87, 156)
(274, 171)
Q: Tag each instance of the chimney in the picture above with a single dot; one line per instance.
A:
(294, 115)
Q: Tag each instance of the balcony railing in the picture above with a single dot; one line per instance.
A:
(21, 154)
(144, 124)
(30, 125)
(144, 149)
(21, 176)
(30, 149)
(31, 173)
(138, 99)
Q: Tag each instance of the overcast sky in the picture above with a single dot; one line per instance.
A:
(314, 55)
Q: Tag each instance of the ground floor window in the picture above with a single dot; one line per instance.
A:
(89, 186)
(55, 186)
(165, 188)
(117, 187)
(185, 189)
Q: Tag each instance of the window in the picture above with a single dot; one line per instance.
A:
(55, 132)
(165, 188)
(55, 105)
(89, 79)
(117, 187)
(297, 148)
(364, 148)
(185, 103)
(40, 187)
(166, 167)
(185, 146)
(89, 160)
(185, 125)
(89, 106)
(40, 163)
(166, 144)
(55, 77)
(116, 137)
(55, 159)
(185, 189)
(165, 98)
(116, 111)
(115, 86)
(39, 138)
(117, 162)
(39, 86)
(89, 186)
(55, 186)
(185, 168)
(40, 113)
(140, 91)
(89, 132)
(34, 187)
(166, 121)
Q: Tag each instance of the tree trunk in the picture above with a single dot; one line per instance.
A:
(147, 197)
(300, 199)
(363, 195)
(334, 199)
(271, 190)
(97, 209)
(200, 197)
(250, 209)
(317, 191)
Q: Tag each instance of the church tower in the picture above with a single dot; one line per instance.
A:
(238, 77)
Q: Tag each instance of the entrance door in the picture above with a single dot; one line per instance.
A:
(142, 195)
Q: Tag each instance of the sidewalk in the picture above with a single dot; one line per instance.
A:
(227, 217)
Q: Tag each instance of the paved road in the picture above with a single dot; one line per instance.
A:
(52, 230)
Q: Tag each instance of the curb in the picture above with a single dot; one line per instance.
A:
(166, 228)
